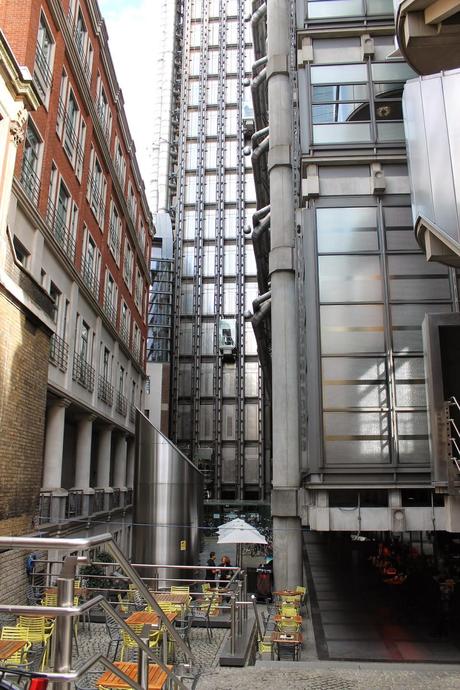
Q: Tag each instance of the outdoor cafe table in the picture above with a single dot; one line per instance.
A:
(10, 647)
(148, 618)
(157, 677)
(289, 639)
(287, 593)
(295, 619)
(178, 598)
(78, 591)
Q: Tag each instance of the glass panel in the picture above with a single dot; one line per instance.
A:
(250, 345)
(211, 154)
(342, 134)
(250, 268)
(228, 464)
(251, 421)
(185, 338)
(209, 224)
(185, 380)
(206, 422)
(206, 379)
(184, 422)
(399, 232)
(391, 71)
(251, 465)
(340, 112)
(229, 380)
(340, 92)
(228, 422)
(413, 278)
(188, 260)
(352, 328)
(209, 260)
(189, 225)
(207, 299)
(230, 260)
(356, 437)
(413, 437)
(347, 229)
(231, 221)
(207, 338)
(376, 7)
(390, 131)
(407, 324)
(359, 382)
(350, 279)
(229, 299)
(251, 292)
(330, 50)
(326, 9)
(330, 74)
(251, 379)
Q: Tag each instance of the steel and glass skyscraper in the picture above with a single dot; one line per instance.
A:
(217, 413)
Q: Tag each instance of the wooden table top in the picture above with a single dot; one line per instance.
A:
(148, 618)
(10, 647)
(294, 619)
(288, 593)
(179, 598)
(287, 638)
(157, 677)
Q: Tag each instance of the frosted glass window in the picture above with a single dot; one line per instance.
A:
(413, 442)
(212, 91)
(383, 46)
(251, 466)
(228, 422)
(250, 343)
(251, 421)
(352, 329)
(410, 382)
(213, 35)
(194, 93)
(191, 158)
(326, 9)
(378, 7)
(206, 379)
(249, 59)
(327, 50)
(190, 189)
(229, 380)
(210, 189)
(213, 62)
(229, 260)
(340, 92)
(197, 9)
(413, 278)
(232, 8)
(209, 260)
(231, 91)
(189, 225)
(250, 268)
(399, 232)
(232, 61)
(209, 224)
(230, 187)
(231, 122)
(192, 125)
(186, 298)
(350, 278)
(229, 299)
(230, 223)
(406, 320)
(228, 464)
(250, 189)
(340, 112)
(207, 299)
(207, 338)
(185, 380)
(390, 131)
(330, 74)
(206, 422)
(251, 379)
(194, 64)
(188, 260)
(356, 437)
(185, 338)
(232, 33)
(211, 154)
(214, 8)
(391, 71)
(231, 154)
(184, 422)
(211, 123)
(195, 35)
(352, 132)
(251, 292)
(347, 229)
(354, 382)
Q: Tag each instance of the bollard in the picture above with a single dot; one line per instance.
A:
(232, 623)
(64, 624)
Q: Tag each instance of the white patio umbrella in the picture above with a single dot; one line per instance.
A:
(239, 532)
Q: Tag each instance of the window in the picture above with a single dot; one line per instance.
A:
(195, 36)
(231, 187)
(189, 225)
(120, 163)
(128, 265)
(138, 290)
(194, 92)
(231, 122)
(232, 33)
(22, 255)
(103, 110)
(132, 203)
(231, 154)
(70, 125)
(213, 62)
(136, 342)
(106, 364)
(190, 189)
(212, 87)
(110, 297)
(231, 91)
(211, 123)
(188, 260)
(90, 264)
(194, 64)
(121, 380)
(82, 43)
(210, 189)
(191, 159)
(213, 35)
(125, 322)
(192, 125)
(97, 188)
(232, 61)
(30, 171)
(209, 224)
(43, 67)
(114, 235)
(84, 342)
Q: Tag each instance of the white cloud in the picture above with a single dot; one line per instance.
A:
(133, 39)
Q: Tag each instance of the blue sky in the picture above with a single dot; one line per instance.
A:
(132, 27)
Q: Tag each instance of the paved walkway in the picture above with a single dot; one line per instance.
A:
(330, 676)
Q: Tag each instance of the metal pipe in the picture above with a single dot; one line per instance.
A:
(260, 213)
(259, 14)
(245, 594)
(239, 609)
(261, 149)
(232, 623)
(64, 624)
(256, 613)
(256, 304)
(258, 63)
(54, 543)
(143, 670)
(260, 134)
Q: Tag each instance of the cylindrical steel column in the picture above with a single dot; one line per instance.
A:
(143, 667)
(64, 624)
(54, 444)
(232, 623)
(285, 398)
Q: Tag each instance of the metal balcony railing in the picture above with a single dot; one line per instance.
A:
(42, 72)
(83, 373)
(121, 404)
(98, 500)
(124, 333)
(71, 142)
(115, 499)
(90, 277)
(129, 497)
(132, 413)
(96, 200)
(59, 352)
(110, 308)
(61, 232)
(44, 506)
(103, 111)
(30, 181)
(80, 44)
(114, 237)
(74, 503)
(105, 391)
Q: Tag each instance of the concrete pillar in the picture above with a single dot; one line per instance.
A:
(54, 444)
(83, 452)
(287, 544)
(119, 477)
(103, 457)
(130, 463)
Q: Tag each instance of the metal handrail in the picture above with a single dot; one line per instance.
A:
(74, 545)
(453, 401)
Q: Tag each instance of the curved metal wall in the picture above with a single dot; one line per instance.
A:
(168, 497)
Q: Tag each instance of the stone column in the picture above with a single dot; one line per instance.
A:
(131, 456)
(103, 457)
(83, 452)
(119, 477)
(54, 445)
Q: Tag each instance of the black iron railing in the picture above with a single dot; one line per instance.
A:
(129, 497)
(30, 181)
(90, 277)
(80, 42)
(83, 373)
(71, 142)
(103, 110)
(98, 500)
(74, 503)
(132, 413)
(44, 506)
(121, 404)
(124, 333)
(42, 72)
(96, 199)
(59, 352)
(105, 391)
(109, 307)
(61, 232)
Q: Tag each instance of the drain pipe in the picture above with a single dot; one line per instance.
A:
(287, 543)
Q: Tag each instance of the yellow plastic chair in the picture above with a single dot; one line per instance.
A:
(176, 589)
(39, 630)
(288, 626)
(127, 641)
(289, 611)
(50, 599)
(122, 604)
(20, 658)
(205, 587)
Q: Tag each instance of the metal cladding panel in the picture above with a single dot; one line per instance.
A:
(431, 107)
(167, 502)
